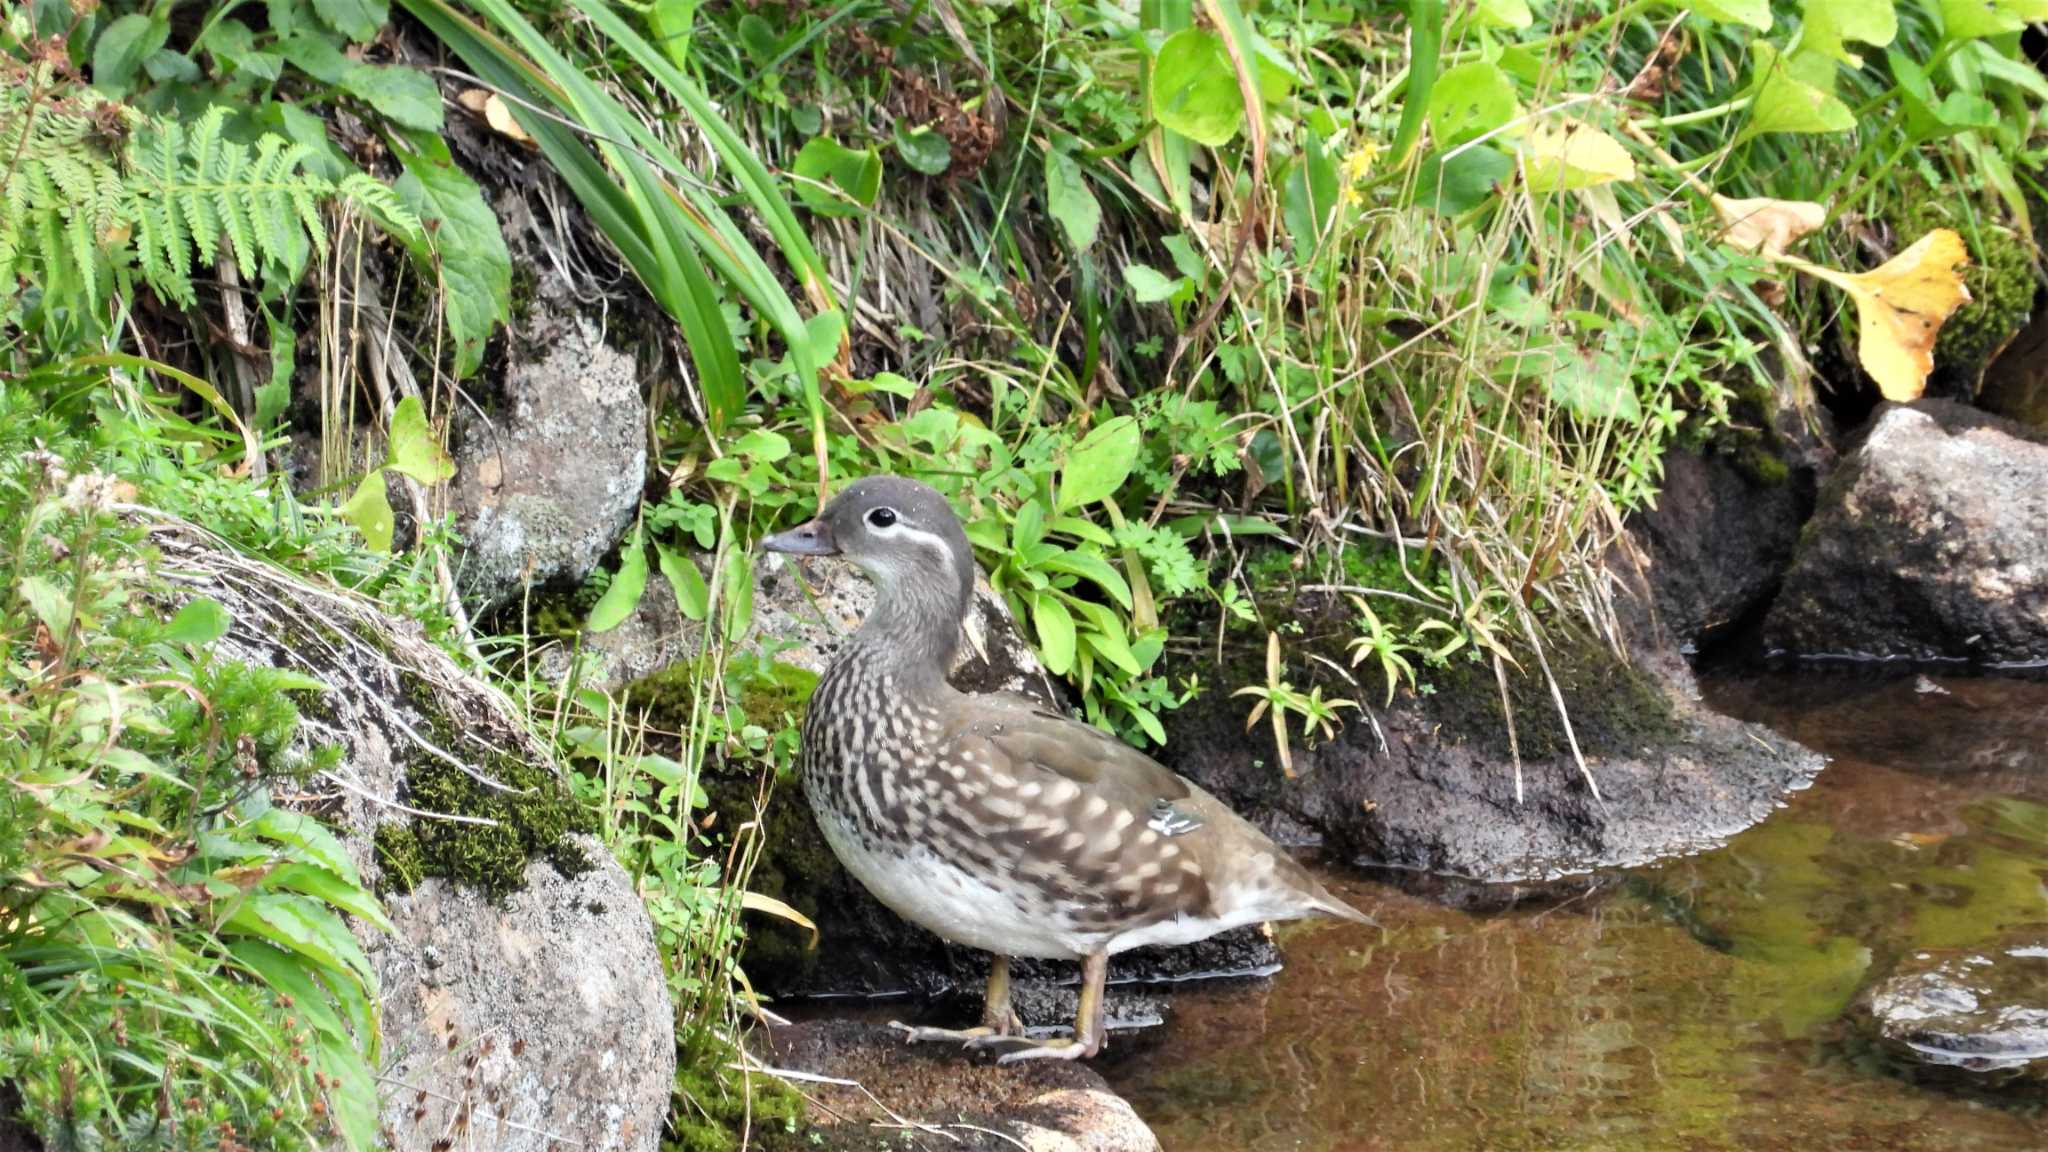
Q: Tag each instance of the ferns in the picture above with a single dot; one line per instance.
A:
(73, 217)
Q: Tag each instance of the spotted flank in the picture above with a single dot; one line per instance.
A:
(1170, 821)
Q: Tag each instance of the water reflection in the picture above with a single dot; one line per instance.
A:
(1693, 1005)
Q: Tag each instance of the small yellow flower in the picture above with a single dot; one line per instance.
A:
(1356, 164)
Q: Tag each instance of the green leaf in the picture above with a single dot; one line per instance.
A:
(272, 398)
(1592, 384)
(414, 450)
(370, 511)
(233, 47)
(624, 592)
(825, 161)
(1149, 285)
(669, 22)
(461, 243)
(1463, 182)
(1194, 88)
(1099, 464)
(1830, 24)
(1470, 100)
(119, 52)
(1105, 637)
(1508, 14)
(359, 20)
(1068, 199)
(693, 596)
(1055, 627)
(199, 623)
(1755, 13)
(1978, 19)
(1796, 94)
(1091, 567)
(923, 150)
(739, 595)
(309, 837)
(49, 602)
(328, 888)
(1310, 198)
(300, 925)
(317, 57)
(406, 96)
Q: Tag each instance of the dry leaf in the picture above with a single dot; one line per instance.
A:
(1571, 154)
(1901, 306)
(1765, 225)
(495, 111)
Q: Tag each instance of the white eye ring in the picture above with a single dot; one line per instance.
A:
(882, 518)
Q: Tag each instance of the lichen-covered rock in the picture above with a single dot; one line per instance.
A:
(1928, 544)
(1982, 1011)
(548, 482)
(1038, 1105)
(520, 1020)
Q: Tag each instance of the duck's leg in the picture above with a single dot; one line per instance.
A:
(997, 1020)
(1089, 1021)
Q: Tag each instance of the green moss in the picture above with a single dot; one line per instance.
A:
(533, 814)
(1614, 707)
(714, 1103)
(2000, 277)
(668, 696)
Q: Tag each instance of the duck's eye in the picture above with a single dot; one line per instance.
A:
(882, 517)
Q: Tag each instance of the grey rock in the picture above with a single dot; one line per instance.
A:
(1717, 543)
(1982, 1011)
(1042, 1105)
(547, 484)
(1928, 545)
(545, 1018)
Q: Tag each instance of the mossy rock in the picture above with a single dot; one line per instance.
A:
(715, 1103)
(2001, 278)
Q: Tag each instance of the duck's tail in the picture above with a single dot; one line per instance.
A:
(1320, 899)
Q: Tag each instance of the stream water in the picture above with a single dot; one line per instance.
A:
(1697, 1004)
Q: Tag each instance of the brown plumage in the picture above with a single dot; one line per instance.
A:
(991, 820)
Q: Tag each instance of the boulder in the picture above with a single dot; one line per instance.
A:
(1719, 539)
(1927, 545)
(1431, 784)
(2016, 385)
(526, 1020)
(1976, 1011)
(549, 480)
(970, 1103)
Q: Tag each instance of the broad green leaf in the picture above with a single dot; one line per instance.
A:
(1594, 385)
(923, 150)
(1506, 13)
(1563, 155)
(309, 837)
(359, 20)
(1068, 199)
(199, 623)
(314, 55)
(51, 604)
(738, 591)
(119, 52)
(1755, 13)
(623, 594)
(1996, 65)
(1028, 529)
(1098, 465)
(328, 888)
(1194, 88)
(300, 925)
(406, 96)
(1795, 94)
(693, 596)
(370, 511)
(414, 450)
(1055, 627)
(825, 161)
(1310, 199)
(1091, 567)
(1830, 24)
(825, 332)
(1462, 182)
(461, 243)
(1470, 100)
(1105, 637)
(233, 47)
(1978, 19)
(1149, 285)
(762, 444)
(669, 23)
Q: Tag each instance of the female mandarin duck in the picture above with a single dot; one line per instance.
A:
(988, 819)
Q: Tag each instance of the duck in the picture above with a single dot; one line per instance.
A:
(995, 821)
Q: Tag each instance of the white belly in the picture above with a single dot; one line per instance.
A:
(934, 894)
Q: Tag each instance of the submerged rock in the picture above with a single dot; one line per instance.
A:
(1982, 1011)
(966, 1101)
(528, 1019)
(547, 483)
(1928, 545)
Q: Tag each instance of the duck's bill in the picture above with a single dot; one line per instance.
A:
(812, 539)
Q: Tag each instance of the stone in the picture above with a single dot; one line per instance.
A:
(1039, 1105)
(548, 482)
(1927, 546)
(1718, 541)
(1430, 784)
(2016, 385)
(1978, 1011)
(545, 1016)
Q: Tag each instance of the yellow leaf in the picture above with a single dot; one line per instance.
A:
(1765, 225)
(1901, 306)
(756, 902)
(1570, 154)
(495, 111)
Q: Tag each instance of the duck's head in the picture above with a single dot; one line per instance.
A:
(905, 536)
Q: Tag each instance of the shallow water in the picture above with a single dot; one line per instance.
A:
(1697, 1004)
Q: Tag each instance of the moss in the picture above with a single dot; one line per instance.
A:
(2000, 277)
(714, 1103)
(1615, 708)
(398, 857)
(667, 695)
(533, 814)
